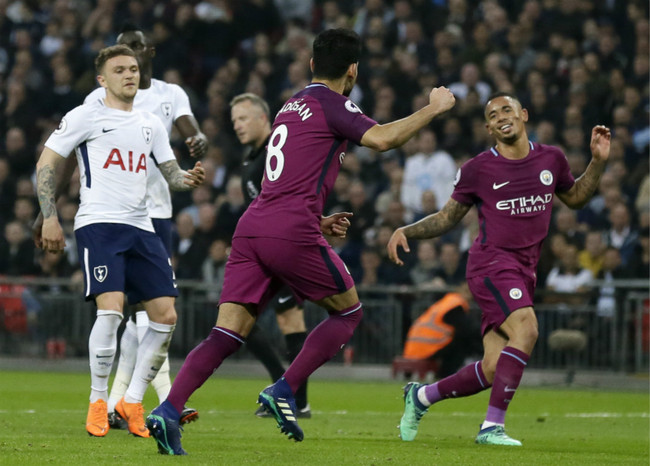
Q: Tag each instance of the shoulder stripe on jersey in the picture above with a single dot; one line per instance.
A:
(338, 280)
(497, 296)
(83, 148)
(327, 163)
(494, 151)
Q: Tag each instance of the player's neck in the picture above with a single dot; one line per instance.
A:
(337, 85)
(516, 150)
(112, 101)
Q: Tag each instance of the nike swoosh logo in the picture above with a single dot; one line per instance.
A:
(498, 186)
(104, 130)
(284, 299)
(508, 389)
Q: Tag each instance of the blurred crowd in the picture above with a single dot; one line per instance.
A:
(572, 63)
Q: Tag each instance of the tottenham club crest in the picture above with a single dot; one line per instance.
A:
(146, 132)
(166, 108)
(546, 177)
(100, 273)
(515, 293)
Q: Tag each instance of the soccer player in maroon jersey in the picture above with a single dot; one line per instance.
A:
(279, 239)
(512, 185)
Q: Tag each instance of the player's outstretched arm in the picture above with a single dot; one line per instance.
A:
(429, 227)
(196, 141)
(396, 133)
(52, 234)
(62, 179)
(181, 180)
(586, 185)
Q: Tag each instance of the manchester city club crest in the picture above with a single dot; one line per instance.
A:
(100, 273)
(166, 108)
(146, 132)
(546, 177)
(515, 293)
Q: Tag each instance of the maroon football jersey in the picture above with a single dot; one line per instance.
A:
(514, 199)
(304, 154)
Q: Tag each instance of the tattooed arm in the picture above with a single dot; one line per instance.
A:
(52, 234)
(429, 227)
(181, 180)
(64, 174)
(586, 185)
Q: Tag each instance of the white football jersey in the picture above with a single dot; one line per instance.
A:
(168, 102)
(114, 152)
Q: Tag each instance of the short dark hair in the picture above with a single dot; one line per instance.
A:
(503, 94)
(334, 51)
(107, 53)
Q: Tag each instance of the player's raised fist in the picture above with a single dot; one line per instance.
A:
(442, 99)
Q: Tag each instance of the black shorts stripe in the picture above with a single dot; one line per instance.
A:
(338, 280)
(497, 296)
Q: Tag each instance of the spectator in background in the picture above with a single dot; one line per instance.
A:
(214, 268)
(568, 278)
(188, 251)
(451, 270)
(621, 234)
(591, 256)
(16, 251)
(229, 211)
(424, 270)
(470, 80)
(429, 170)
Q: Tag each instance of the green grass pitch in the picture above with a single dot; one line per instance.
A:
(42, 418)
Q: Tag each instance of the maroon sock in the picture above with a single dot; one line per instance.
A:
(510, 368)
(201, 363)
(322, 344)
(467, 381)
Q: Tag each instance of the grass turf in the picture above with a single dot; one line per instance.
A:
(42, 418)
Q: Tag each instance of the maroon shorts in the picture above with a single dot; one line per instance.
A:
(499, 293)
(258, 267)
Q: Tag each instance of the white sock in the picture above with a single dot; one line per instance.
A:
(142, 323)
(102, 344)
(161, 383)
(125, 365)
(422, 397)
(487, 424)
(152, 352)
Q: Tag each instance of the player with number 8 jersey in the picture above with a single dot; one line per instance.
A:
(304, 154)
(279, 239)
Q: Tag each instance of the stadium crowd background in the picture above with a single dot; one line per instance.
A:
(572, 63)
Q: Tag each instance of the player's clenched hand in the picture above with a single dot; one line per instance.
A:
(198, 145)
(52, 239)
(196, 176)
(336, 224)
(397, 239)
(442, 99)
(600, 141)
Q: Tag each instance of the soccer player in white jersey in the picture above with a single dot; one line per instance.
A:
(170, 103)
(118, 249)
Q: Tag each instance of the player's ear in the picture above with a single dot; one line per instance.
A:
(152, 51)
(353, 70)
(524, 115)
(101, 80)
(311, 65)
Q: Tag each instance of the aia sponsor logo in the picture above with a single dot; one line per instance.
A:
(130, 164)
